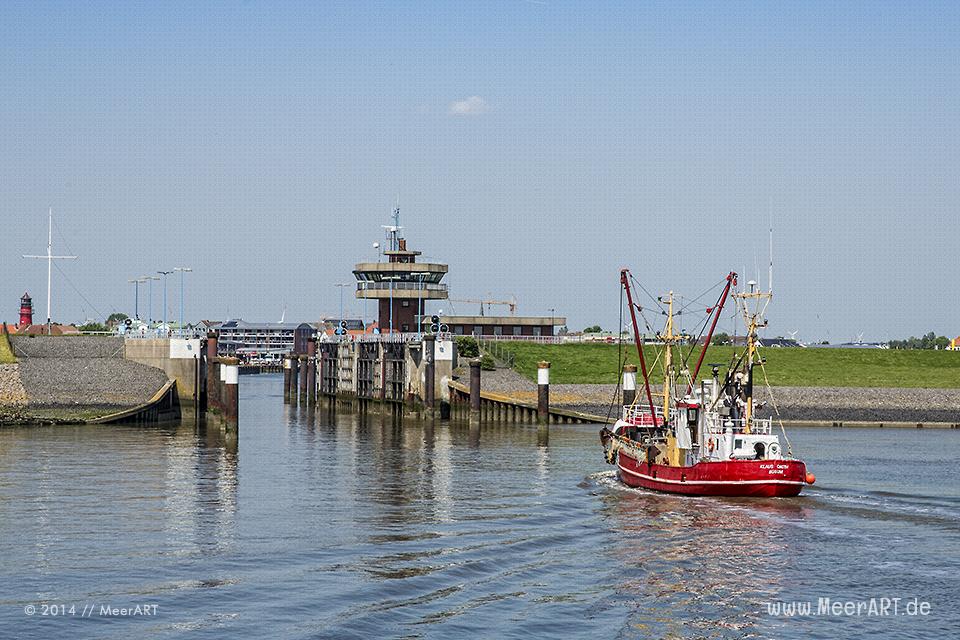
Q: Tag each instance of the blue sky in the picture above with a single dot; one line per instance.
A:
(537, 147)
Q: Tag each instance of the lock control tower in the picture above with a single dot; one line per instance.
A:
(401, 285)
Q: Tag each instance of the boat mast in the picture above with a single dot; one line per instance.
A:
(751, 349)
(668, 361)
(753, 322)
(625, 281)
(731, 281)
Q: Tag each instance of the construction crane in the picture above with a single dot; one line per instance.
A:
(511, 303)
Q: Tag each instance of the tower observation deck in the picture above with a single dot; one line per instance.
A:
(401, 284)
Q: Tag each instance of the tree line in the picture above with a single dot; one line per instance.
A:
(929, 341)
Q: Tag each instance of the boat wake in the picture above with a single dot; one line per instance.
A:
(941, 512)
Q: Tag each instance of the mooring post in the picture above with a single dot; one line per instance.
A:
(286, 378)
(429, 374)
(312, 371)
(303, 378)
(475, 389)
(629, 384)
(294, 377)
(213, 376)
(200, 381)
(221, 384)
(543, 392)
(231, 397)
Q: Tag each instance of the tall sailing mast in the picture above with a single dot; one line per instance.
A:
(50, 258)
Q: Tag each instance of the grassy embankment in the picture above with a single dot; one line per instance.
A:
(6, 352)
(790, 367)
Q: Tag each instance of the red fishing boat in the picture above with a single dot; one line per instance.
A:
(708, 439)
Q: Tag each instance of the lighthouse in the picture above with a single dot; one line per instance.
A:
(26, 310)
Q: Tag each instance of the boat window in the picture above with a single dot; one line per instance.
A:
(692, 415)
(737, 443)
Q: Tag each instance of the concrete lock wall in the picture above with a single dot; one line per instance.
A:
(177, 357)
(444, 354)
(347, 369)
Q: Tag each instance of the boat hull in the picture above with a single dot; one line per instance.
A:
(755, 478)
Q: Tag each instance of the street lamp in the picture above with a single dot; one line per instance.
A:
(150, 279)
(182, 270)
(136, 296)
(165, 274)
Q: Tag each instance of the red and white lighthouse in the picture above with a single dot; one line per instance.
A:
(26, 310)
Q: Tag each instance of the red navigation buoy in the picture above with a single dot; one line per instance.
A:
(811, 478)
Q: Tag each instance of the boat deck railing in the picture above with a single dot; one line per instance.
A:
(640, 416)
(718, 425)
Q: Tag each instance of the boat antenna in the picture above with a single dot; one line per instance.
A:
(770, 275)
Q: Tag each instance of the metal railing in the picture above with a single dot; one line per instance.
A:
(400, 285)
(497, 351)
(514, 338)
(717, 425)
(639, 415)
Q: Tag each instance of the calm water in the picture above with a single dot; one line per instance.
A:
(317, 527)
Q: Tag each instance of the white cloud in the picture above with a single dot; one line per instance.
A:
(474, 105)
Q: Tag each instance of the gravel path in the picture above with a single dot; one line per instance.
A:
(795, 403)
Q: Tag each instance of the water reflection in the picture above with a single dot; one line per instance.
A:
(328, 524)
(700, 563)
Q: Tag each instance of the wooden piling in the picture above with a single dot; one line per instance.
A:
(294, 377)
(543, 392)
(475, 389)
(231, 395)
(303, 378)
(213, 375)
(286, 378)
(311, 371)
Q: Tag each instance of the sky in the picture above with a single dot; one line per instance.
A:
(536, 147)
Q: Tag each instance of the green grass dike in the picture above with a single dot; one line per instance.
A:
(785, 367)
(6, 351)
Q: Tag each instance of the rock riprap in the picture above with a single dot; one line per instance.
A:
(78, 375)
